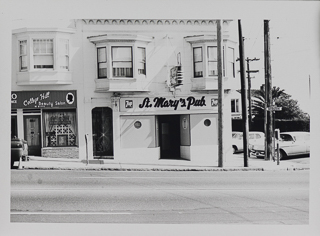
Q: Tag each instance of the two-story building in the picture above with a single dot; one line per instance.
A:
(123, 89)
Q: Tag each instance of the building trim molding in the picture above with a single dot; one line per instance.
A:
(152, 22)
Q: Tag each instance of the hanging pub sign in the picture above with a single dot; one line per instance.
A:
(43, 99)
(139, 104)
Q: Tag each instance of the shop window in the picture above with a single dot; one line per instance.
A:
(122, 61)
(234, 105)
(60, 128)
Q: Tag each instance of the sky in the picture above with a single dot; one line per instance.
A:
(293, 49)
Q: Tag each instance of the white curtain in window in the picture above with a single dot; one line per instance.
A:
(212, 54)
(43, 60)
(121, 54)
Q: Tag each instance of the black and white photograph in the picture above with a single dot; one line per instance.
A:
(160, 117)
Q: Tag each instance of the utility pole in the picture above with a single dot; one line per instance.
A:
(243, 96)
(249, 86)
(220, 94)
(268, 94)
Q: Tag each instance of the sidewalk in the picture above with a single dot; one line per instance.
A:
(233, 163)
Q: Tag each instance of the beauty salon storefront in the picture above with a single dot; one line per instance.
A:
(47, 120)
(180, 128)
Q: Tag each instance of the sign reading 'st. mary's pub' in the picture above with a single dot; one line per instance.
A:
(43, 99)
(167, 104)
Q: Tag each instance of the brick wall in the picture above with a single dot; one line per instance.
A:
(61, 152)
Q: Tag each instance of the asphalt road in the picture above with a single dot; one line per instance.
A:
(231, 197)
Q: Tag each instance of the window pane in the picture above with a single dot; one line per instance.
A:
(23, 62)
(212, 67)
(121, 54)
(102, 56)
(49, 43)
(198, 68)
(60, 128)
(102, 70)
(197, 54)
(212, 54)
(36, 46)
(23, 47)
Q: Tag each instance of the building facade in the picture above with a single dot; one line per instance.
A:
(123, 90)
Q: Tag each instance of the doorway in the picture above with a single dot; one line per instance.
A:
(169, 136)
(32, 134)
(102, 133)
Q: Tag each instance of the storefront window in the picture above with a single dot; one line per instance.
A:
(60, 128)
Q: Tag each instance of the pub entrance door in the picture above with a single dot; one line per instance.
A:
(32, 134)
(169, 136)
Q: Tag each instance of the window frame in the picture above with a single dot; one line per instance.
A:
(64, 53)
(236, 105)
(100, 62)
(43, 54)
(143, 61)
(195, 62)
(131, 62)
(25, 55)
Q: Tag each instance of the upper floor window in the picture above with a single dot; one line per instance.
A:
(212, 61)
(121, 56)
(234, 105)
(122, 61)
(64, 53)
(197, 62)
(231, 64)
(23, 56)
(102, 62)
(141, 61)
(43, 53)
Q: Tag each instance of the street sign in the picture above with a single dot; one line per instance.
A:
(274, 108)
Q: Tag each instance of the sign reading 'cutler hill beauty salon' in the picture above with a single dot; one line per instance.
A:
(43, 99)
(167, 104)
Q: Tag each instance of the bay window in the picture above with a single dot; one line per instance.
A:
(64, 54)
(43, 53)
(212, 61)
(197, 62)
(122, 61)
(141, 61)
(102, 62)
(23, 55)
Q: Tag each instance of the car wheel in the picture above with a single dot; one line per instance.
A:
(282, 155)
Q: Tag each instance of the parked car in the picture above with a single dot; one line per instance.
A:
(255, 137)
(19, 148)
(290, 144)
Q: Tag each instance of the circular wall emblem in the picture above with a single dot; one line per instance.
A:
(70, 98)
(137, 124)
(207, 122)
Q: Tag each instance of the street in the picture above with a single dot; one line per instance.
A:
(215, 197)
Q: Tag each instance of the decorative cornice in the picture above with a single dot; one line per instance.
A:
(151, 22)
(43, 30)
(120, 38)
